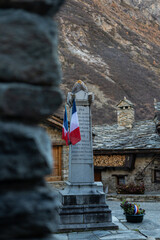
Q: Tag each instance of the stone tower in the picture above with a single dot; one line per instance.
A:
(125, 113)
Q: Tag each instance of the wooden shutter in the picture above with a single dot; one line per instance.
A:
(57, 164)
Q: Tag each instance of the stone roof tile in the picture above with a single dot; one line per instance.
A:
(142, 136)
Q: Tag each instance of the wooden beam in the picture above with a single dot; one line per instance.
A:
(125, 151)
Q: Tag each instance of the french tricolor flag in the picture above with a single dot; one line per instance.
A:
(135, 209)
(75, 135)
(65, 131)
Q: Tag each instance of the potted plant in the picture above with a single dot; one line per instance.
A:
(133, 212)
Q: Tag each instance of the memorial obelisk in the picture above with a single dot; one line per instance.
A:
(83, 200)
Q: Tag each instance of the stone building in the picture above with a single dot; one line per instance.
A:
(60, 151)
(128, 151)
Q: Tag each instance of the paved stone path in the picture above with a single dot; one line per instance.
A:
(102, 235)
(149, 229)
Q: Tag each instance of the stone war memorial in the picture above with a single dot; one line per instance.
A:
(83, 205)
(29, 78)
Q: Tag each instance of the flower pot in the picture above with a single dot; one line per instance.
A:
(134, 218)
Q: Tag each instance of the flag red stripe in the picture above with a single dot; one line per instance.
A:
(65, 135)
(75, 136)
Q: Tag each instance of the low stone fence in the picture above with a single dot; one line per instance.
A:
(147, 197)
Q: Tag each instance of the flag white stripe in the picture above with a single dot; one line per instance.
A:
(65, 131)
(74, 122)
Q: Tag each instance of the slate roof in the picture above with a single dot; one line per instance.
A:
(124, 102)
(142, 136)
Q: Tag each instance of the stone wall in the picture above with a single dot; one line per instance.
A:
(30, 75)
(148, 174)
(143, 172)
(125, 117)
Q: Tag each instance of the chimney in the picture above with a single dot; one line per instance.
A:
(125, 114)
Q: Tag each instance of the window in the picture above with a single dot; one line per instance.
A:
(157, 176)
(120, 180)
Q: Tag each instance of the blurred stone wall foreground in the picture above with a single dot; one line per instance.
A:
(29, 79)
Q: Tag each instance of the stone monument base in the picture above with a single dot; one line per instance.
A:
(84, 208)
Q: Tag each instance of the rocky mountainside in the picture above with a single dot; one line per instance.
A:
(114, 47)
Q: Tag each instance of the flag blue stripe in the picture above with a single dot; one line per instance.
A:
(74, 106)
(65, 120)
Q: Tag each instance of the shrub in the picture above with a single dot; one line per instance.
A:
(131, 188)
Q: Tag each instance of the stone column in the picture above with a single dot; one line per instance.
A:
(83, 200)
(29, 79)
(81, 169)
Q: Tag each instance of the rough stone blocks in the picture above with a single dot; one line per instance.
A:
(38, 64)
(23, 212)
(29, 78)
(26, 102)
(42, 7)
(28, 151)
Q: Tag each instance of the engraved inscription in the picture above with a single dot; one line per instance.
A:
(82, 151)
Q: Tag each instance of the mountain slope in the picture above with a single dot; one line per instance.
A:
(114, 47)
